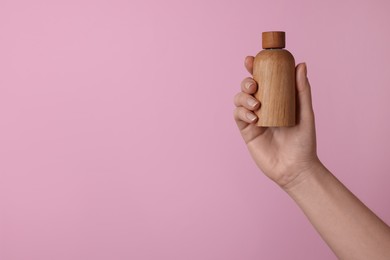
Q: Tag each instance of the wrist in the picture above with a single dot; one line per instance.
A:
(312, 172)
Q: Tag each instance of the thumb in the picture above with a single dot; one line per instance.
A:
(304, 103)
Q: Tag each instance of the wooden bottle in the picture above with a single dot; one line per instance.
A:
(274, 72)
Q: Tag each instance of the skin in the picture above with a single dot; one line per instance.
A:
(288, 156)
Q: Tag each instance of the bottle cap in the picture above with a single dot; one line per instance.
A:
(274, 40)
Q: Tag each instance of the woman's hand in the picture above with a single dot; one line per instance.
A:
(288, 156)
(285, 154)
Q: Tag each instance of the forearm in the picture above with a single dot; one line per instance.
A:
(350, 229)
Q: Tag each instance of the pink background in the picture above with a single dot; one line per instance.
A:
(117, 138)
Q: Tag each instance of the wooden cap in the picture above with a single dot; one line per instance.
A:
(274, 40)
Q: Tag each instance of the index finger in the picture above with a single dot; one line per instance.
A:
(249, 63)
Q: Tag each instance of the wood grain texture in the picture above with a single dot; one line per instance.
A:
(273, 40)
(274, 72)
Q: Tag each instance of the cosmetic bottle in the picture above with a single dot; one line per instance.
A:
(274, 72)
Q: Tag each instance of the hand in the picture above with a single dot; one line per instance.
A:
(285, 154)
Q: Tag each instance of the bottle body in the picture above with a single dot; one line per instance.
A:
(274, 72)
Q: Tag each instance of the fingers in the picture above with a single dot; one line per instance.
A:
(249, 63)
(245, 100)
(245, 105)
(305, 106)
(248, 85)
(243, 115)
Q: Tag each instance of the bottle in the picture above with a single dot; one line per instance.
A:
(274, 72)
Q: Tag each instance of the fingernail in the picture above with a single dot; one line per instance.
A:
(248, 85)
(251, 102)
(305, 69)
(250, 116)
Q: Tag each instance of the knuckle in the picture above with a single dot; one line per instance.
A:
(238, 98)
(236, 113)
(241, 113)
